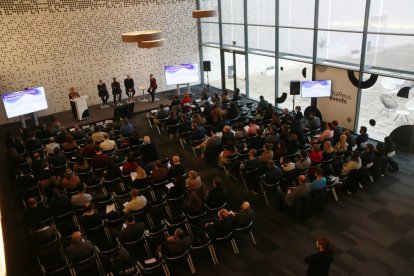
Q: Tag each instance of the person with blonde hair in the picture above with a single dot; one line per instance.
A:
(342, 145)
(193, 183)
(140, 179)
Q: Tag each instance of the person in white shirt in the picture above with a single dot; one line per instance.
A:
(50, 147)
(328, 133)
(107, 144)
(136, 203)
(286, 165)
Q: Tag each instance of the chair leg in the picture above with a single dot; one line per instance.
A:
(191, 264)
(168, 210)
(265, 196)
(334, 194)
(147, 249)
(245, 185)
(195, 153)
(166, 270)
(234, 244)
(213, 254)
(151, 223)
(252, 236)
(181, 142)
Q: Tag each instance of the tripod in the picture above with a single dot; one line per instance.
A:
(208, 83)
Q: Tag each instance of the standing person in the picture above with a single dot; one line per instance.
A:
(321, 260)
(73, 94)
(103, 93)
(153, 87)
(129, 88)
(116, 91)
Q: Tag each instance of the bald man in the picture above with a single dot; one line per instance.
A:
(177, 168)
(244, 216)
(79, 248)
(294, 193)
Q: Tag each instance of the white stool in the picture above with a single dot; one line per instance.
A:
(402, 113)
(142, 97)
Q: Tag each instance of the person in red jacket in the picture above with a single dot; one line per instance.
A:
(153, 87)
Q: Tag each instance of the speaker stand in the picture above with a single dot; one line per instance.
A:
(293, 108)
(208, 84)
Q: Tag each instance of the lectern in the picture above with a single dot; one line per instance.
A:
(81, 107)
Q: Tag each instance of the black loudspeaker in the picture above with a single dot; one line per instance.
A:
(295, 88)
(126, 110)
(206, 66)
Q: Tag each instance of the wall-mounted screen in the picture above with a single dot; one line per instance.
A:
(182, 73)
(315, 89)
(24, 102)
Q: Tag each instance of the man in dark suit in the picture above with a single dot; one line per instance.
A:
(78, 134)
(35, 212)
(244, 217)
(133, 230)
(79, 248)
(61, 137)
(33, 144)
(177, 244)
(59, 204)
(43, 133)
(222, 226)
(177, 168)
(273, 173)
(129, 87)
(58, 158)
(217, 196)
(116, 91)
(90, 218)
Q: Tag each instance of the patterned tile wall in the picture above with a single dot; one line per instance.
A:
(59, 44)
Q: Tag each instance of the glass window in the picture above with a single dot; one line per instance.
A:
(209, 5)
(339, 47)
(289, 71)
(391, 16)
(297, 13)
(214, 76)
(261, 12)
(382, 49)
(296, 42)
(232, 11)
(262, 38)
(233, 33)
(210, 33)
(389, 108)
(342, 14)
(262, 77)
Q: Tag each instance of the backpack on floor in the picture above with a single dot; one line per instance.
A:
(393, 166)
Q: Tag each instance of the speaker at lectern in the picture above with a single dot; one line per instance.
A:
(82, 110)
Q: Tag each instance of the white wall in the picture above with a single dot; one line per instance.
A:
(70, 43)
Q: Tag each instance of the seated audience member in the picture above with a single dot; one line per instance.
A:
(177, 169)
(354, 163)
(268, 112)
(252, 128)
(197, 119)
(176, 244)
(43, 133)
(315, 154)
(287, 165)
(233, 112)
(70, 180)
(89, 149)
(328, 133)
(185, 124)
(267, 153)
(127, 128)
(284, 134)
(141, 180)
(259, 115)
(286, 116)
(198, 132)
(320, 181)
(280, 151)
(296, 127)
(35, 212)
(362, 138)
(257, 141)
(314, 122)
(217, 114)
(236, 95)
(176, 104)
(60, 137)
(178, 190)
(228, 135)
(298, 113)
(389, 145)
(292, 145)
(81, 198)
(59, 203)
(252, 162)
(368, 155)
(122, 263)
(276, 121)
(136, 203)
(81, 164)
(160, 172)
(271, 135)
(342, 145)
(229, 150)
(58, 158)
(194, 184)
(33, 144)
(78, 134)
(273, 173)
(321, 260)
(304, 162)
(44, 173)
(69, 144)
(244, 216)
(193, 205)
(42, 233)
(133, 230)
(337, 132)
(217, 196)
(240, 132)
(295, 193)
(107, 145)
(350, 139)
(186, 99)
(262, 103)
(98, 137)
(220, 227)
(50, 147)
(112, 171)
(161, 115)
(90, 218)
(211, 142)
(328, 151)
(79, 248)
(100, 159)
(130, 165)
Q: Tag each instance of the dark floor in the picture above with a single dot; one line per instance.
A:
(372, 230)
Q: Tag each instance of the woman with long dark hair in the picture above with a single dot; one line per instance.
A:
(321, 260)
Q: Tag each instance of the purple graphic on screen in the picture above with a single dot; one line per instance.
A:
(309, 84)
(15, 96)
(181, 73)
(24, 102)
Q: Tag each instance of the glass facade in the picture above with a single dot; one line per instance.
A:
(275, 40)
